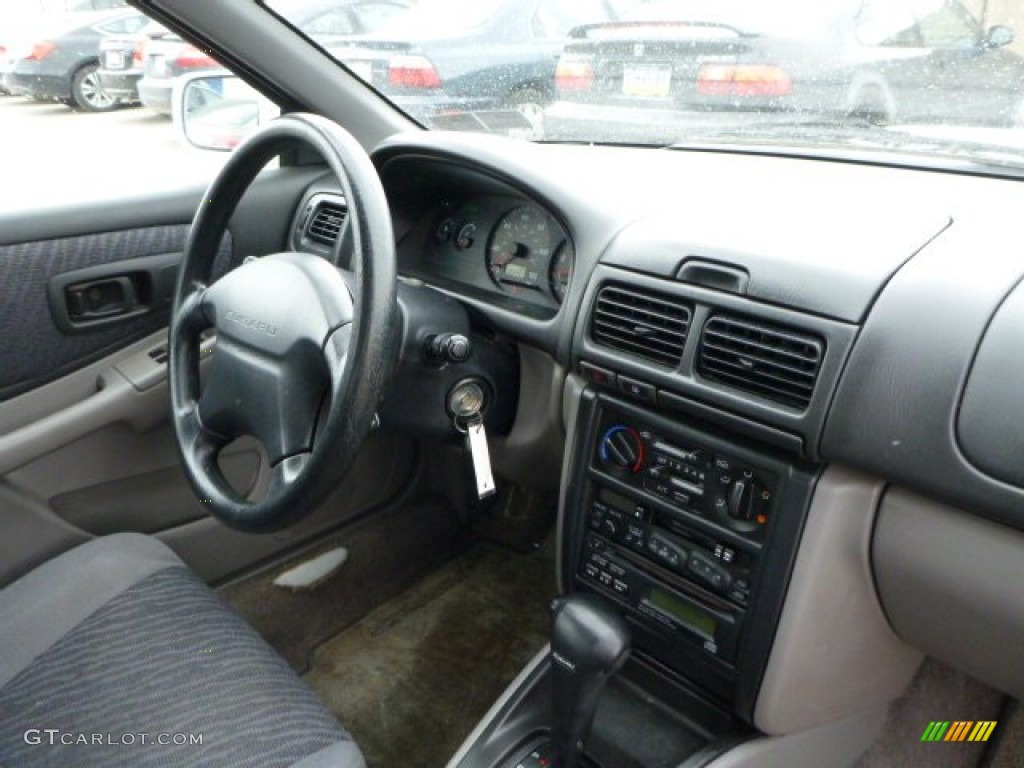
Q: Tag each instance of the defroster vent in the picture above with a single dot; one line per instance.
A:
(643, 323)
(326, 222)
(767, 360)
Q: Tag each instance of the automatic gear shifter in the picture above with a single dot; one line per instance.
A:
(589, 643)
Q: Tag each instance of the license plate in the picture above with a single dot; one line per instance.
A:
(362, 69)
(648, 81)
(113, 60)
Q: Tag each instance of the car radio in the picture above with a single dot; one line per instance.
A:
(691, 531)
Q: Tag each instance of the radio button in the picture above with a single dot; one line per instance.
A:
(605, 578)
(621, 587)
(701, 566)
(590, 570)
(666, 551)
(635, 535)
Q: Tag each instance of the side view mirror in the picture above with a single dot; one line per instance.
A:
(998, 36)
(216, 110)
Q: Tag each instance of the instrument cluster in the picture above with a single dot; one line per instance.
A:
(500, 245)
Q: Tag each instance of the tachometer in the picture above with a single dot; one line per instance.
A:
(521, 249)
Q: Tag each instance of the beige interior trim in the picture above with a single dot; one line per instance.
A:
(511, 690)
(834, 652)
(951, 585)
(531, 454)
(49, 417)
(836, 745)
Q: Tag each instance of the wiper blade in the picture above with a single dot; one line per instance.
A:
(990, 146)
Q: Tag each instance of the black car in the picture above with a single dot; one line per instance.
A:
(446, 56)
(839, 59)
(64, 59)
(121, 62)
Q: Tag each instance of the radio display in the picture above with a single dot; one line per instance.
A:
(616, 500)
(688, 615)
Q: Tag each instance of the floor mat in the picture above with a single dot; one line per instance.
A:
(387, 553)
(412, 679)
(938, 692)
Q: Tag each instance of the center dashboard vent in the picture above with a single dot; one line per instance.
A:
(774, 362)
(641, 322)
(326, 221)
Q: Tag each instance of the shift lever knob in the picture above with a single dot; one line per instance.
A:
(589, 643)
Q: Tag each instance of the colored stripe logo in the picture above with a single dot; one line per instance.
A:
(959, 730)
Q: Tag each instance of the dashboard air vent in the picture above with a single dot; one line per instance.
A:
(641, 322)
(767, 360)
(326, 222)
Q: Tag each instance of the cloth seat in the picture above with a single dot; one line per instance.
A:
(116, 654)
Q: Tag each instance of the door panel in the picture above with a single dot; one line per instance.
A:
(86, 447)
(36, 350)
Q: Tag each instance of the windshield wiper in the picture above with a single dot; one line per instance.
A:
(811, 136)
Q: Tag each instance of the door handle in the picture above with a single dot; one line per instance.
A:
(96, 299)
(88, 299)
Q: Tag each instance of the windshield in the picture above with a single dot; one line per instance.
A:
(924, 78)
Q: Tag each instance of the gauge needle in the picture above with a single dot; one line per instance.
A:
(521, 252)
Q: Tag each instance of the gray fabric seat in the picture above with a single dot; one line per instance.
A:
(114, 647)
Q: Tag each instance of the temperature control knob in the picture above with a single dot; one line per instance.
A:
(622, 448)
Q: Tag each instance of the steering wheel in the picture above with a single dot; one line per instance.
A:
(302, 353)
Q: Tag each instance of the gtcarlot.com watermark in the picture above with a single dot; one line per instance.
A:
(54, 736)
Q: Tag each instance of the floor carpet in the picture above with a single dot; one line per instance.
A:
(388, 552)
(938, 692)
(412, 679)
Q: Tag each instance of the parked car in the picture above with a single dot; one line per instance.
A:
(19, 16)
(61, 61)
(841, 59)
(168, 56)
(121, 62)
(445, 56)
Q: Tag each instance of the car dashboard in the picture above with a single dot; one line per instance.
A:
(782, 376)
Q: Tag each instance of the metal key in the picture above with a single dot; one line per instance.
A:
(465, 402)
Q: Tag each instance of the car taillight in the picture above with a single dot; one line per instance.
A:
(193, 58)
(412, 72)
(41, 50)
(139, 52)
(574, 73)
(743, 80)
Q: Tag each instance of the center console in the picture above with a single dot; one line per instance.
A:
(691, 533)
(688, 533)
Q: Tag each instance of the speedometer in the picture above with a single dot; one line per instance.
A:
(521, 248)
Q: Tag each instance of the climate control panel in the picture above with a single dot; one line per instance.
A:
(690, 477)
(691, 530)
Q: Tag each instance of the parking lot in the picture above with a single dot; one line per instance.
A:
(51, 153)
